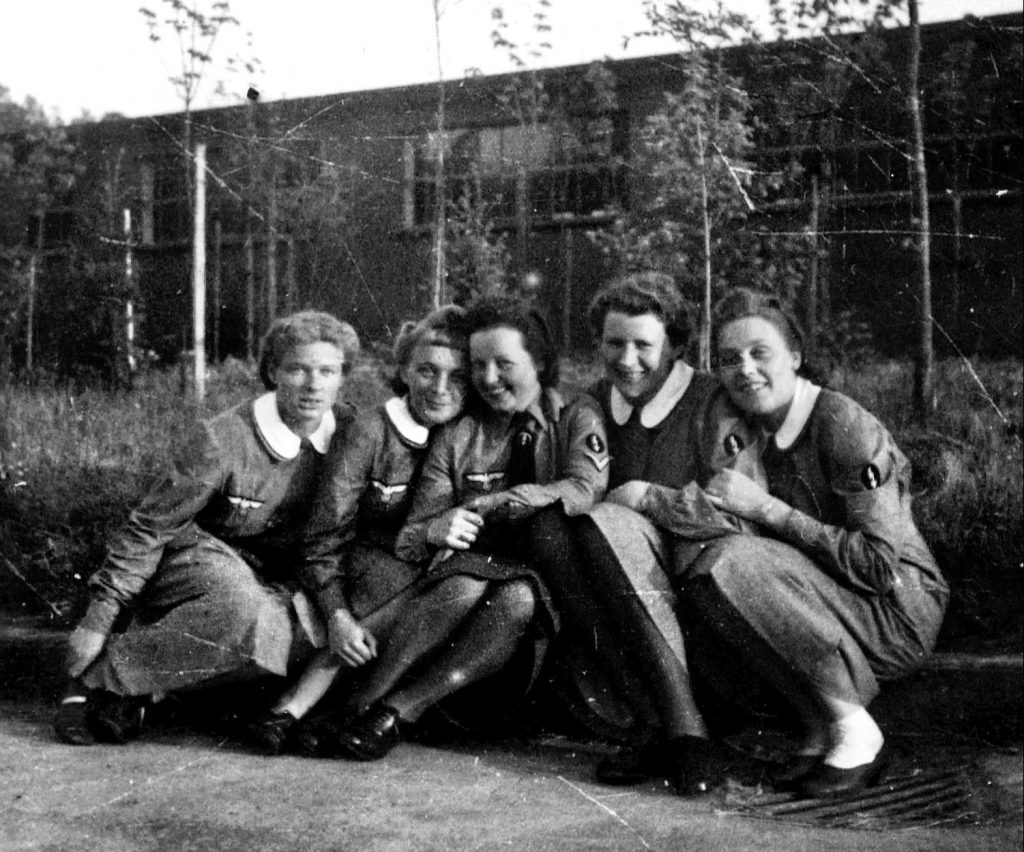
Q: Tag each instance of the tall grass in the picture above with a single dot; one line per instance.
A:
(72, 463)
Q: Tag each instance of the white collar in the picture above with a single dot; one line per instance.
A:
(397, 409)
(805, 395)
(281, 440)
(657, 409)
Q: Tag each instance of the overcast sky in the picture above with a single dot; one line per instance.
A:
(95, 55)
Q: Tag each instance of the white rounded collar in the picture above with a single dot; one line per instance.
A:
(805, 395)
(657, 409)
(397, 410)
(281, 440)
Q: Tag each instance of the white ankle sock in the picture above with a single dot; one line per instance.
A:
(856, 740)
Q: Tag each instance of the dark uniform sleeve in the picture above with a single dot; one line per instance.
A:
(863, 465)
(435, 494)
(198, 472)
(583, 462)
(332, 522)
(724, 440)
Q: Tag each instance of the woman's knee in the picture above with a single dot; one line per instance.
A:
(515, 601)
(461, 590)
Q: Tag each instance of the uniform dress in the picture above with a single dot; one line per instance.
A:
(362, 503)
(205, 565)
(472, 457)
(688, 431)
(846, 592)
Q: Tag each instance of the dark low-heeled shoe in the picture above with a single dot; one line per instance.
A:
(784, 776)
(695, 765)
(114, 718)
(633, 764)
(830, 782)
(269, 733)
(371, 736)
(71, 723)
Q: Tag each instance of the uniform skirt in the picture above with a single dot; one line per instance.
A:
(205, 614)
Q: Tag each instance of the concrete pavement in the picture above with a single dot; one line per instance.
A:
(181, 790)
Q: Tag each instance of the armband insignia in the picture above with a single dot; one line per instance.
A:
(594, 443)
(733, 445)
(870, 478)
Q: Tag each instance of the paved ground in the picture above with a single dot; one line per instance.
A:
(179, 790)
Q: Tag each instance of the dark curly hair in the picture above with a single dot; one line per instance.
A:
(487, 312)
(643, 293)
(300, 329)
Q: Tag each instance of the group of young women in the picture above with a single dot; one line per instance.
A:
(668, 543)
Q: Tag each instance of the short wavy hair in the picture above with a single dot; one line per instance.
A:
(743, 302)
(300, 329)
(643, 293)
(487, 312)
(444, 327)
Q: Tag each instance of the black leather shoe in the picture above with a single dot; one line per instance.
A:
(633, 764)
(784, 776)
(695, 765)
(371, 736)
(116, 718)
(830, 782)
(71, 723)
(269, 733)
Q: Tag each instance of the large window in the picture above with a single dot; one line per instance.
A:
(538, 172)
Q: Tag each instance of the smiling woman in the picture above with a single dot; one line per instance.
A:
(198, 585)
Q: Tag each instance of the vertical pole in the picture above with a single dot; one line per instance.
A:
(813, 269)
(199, 275)
(290, 296)
(30, 310)
(567, 290)
(250, 252)
(129, 303)
(271, 250)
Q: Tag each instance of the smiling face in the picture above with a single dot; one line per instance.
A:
(436, 378)
(504, 372)
(637, 354)
(307, 382)
(758, 368)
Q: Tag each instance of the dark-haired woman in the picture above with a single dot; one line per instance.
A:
(348, 555)
(841, 590)
(202, 571)
(525, 449)
(670, 430)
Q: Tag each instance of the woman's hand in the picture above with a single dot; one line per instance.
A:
(630, 494)
(738, 494)
(349, 641)
(457, 528)
(84, 646)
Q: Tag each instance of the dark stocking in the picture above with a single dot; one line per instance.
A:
(484, 644)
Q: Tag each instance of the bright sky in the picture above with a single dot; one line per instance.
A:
(95, 55)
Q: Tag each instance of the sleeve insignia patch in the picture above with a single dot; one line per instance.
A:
(594, 443)
(600, 462)
(733, 445)
(870, 478)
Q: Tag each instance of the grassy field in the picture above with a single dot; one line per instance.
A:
(73, 462)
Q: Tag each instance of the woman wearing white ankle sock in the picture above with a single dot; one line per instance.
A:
(840, 591)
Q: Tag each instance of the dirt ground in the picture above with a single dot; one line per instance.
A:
(178, 789)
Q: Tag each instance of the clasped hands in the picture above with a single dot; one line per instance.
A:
(740, 495)
(460, 527)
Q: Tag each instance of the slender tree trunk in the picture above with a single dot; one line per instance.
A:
(128, 363)
(924, 374)
(271, 249)
(813, 269)
(437, 290)
(705, 323)
(958, 235)
(249, 248)
(199, 276)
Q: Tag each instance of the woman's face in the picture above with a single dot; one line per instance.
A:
(758, 367)
(504, 373)
(436, 378)
(637, 353)
(308, 379)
